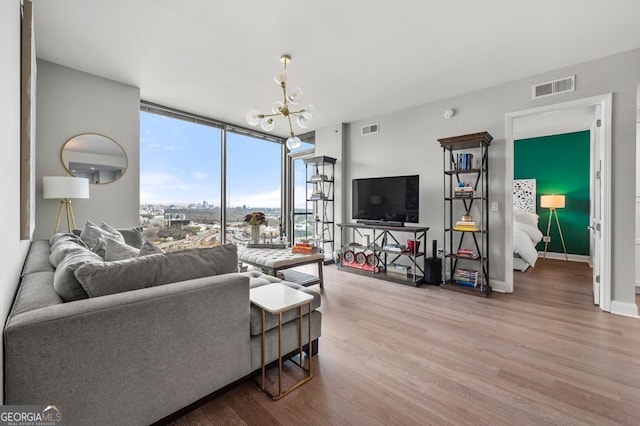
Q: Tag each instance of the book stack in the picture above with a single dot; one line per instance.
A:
(396, 248)
(463, 190)
(467, 253)
(318, 178)
(317, 195)
(466, 277)
(465, 161)
(397, 270)
(463, 225)
(303, 248)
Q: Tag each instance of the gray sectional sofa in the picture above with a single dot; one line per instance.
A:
(134, 357)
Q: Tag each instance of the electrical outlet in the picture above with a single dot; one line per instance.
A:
(440, 253)
(546, 239)
(494, 206)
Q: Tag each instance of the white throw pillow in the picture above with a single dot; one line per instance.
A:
(526, 218)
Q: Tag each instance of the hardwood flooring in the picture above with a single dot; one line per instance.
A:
(397, 355)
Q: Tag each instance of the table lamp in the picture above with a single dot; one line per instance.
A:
(553, 202)
(65, 188)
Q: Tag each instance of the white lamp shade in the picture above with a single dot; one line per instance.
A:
(552, 201)
(59, 187)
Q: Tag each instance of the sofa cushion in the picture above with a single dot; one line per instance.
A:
(148, 248)
(38, 258)
(63, 247)
(115, 250)
(99, 279)
(94, 237)
(64, 280)
(35, 292)
(133, 236)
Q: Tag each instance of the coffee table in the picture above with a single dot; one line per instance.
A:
(272, 261)
(277, 299)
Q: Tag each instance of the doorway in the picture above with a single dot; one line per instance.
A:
(600, 155)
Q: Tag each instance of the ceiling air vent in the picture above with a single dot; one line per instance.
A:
(555, 87)
(370, 129)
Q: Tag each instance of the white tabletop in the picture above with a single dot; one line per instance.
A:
(276, 298)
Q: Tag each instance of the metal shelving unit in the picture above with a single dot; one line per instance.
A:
(320, 187)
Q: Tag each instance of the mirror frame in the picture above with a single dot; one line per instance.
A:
(126, 158)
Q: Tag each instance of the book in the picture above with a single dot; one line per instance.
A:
(467, 228)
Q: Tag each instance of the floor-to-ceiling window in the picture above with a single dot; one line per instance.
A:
(199, 176)
(180, 175)
(254, 184)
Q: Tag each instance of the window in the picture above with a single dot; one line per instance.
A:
(180, 182)
(188, 194)
(254, 183)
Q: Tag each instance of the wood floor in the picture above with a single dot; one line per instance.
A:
(397, 355)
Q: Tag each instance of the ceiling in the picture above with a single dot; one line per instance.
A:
(352, 59)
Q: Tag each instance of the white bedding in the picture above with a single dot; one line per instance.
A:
(525, 238)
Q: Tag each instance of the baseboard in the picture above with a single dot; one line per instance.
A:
(560, 256)
(624, 308)
(498, 286)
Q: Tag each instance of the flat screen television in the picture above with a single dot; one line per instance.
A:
(393, 200)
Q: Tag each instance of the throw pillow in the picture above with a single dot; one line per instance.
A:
(133, 236)
(149, 248)
(99, 279)
(115, 250)
(93, 236)
(64, 280)
(62, 248)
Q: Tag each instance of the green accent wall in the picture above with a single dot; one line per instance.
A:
(560, 164)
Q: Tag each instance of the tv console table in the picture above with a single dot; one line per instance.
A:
(368, 250)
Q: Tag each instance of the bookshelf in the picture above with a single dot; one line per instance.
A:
(466, 213)
(320, 185)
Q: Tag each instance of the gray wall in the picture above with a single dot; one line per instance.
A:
(70, 102)
(12, 249)
(407, 144)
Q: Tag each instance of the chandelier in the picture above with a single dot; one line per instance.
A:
(284, 108)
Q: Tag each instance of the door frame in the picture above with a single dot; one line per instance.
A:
(605, 104)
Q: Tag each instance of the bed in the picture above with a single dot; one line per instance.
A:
(525, 224)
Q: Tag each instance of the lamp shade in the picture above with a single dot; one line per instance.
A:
(59, 187)
(552, 201)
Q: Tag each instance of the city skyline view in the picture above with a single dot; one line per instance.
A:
(180, 164)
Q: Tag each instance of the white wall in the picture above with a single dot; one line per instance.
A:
(70, 102)
(407, 144)
(12, 250)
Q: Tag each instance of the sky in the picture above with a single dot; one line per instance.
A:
(180, 163)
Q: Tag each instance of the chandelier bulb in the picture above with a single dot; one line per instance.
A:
(303, 119)
(295, 95)
(293, 142)
(267, 124)
(253, 117)
(276, 107)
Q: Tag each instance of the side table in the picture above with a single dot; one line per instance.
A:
(278, 299)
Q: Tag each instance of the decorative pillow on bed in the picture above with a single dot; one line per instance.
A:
(532, 231)
(528, 218)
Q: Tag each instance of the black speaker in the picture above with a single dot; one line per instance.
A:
(434, 248)
(433, 270)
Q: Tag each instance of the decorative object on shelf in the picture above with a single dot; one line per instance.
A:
(283, 108)
(553, 203)
(255, 220)
(413, 245)
(65, 188)
(375, 257)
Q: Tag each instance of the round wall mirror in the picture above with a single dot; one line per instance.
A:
(95, 157)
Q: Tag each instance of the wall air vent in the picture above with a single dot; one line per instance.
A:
(370, 129)
(555, 87)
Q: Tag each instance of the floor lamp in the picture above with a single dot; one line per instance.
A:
(65, 188)
(553, 202)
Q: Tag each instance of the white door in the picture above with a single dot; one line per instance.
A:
(595, 229)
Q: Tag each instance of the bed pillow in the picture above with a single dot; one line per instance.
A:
(99, 279)
(527, 218)
(532, 231)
